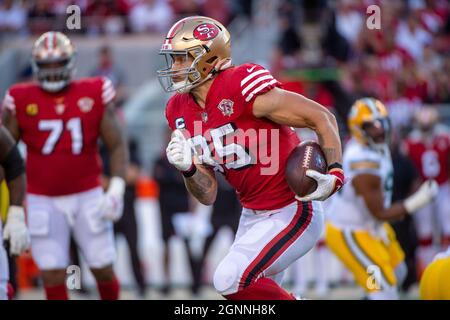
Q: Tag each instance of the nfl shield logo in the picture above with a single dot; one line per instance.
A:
(204, 117)
(226, 106)
(59, 108)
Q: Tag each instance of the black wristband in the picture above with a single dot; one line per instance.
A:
(190, 172)
(335, 165)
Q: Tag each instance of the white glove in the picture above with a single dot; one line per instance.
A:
(16, 230)
(426, 193)
(111, 207)
(327, 184)
(179, 151)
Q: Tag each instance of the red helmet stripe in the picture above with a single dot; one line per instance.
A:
(54, 40)
(46, 43)
(172, 31)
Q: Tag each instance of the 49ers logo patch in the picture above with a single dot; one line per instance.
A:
(206, 31)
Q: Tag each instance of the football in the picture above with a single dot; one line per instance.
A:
(307, 155)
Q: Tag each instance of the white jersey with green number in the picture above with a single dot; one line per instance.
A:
(348, 209)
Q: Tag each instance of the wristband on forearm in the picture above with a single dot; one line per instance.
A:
(335, 169)
(335, 165)
(189, 172)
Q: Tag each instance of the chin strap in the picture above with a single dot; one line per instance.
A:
(226, 65)
(223, 65)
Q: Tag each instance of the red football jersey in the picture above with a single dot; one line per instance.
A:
(430, 155)
(61, 132)
(251, 152)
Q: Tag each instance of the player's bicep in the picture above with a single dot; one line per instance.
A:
(6, 143)
(369, 187)
(288, 108)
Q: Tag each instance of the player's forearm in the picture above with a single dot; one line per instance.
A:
(394, 212)
(324, 123)
(16, 188)
(202, 185)
(119, 160)
(328, 133)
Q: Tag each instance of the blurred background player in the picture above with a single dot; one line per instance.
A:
(357, 231)
(428, 146)
(108, 68)
(174, 201)
(12, 194)
(127, 225)
(275, 227)
(406, 180)
(60, 121)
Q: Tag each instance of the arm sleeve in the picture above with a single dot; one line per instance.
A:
(108, 91)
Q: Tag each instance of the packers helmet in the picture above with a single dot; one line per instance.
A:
(202, 39)
(369, 123)
(53, 60)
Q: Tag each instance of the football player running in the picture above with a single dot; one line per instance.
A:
(60, 121)
(222, 116)
(13, 193)
(428, 146)
(357, 232)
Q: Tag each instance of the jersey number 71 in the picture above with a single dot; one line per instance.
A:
(56, 128)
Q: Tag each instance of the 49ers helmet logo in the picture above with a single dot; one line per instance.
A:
(206, 31)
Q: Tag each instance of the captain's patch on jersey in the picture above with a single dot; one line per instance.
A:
(180, 123)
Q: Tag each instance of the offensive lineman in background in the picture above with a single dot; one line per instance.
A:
(216, 106)
(357, 231)
(12, 192)
(60, 121)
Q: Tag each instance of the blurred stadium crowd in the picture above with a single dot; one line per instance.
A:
(109, 16)
(321, 49)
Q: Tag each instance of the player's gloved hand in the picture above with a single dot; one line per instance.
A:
(16, 230)
(327, 184)
(179, 152)
(426, 193)
(112, 204)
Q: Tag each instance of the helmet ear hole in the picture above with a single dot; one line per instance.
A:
(212, 59)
